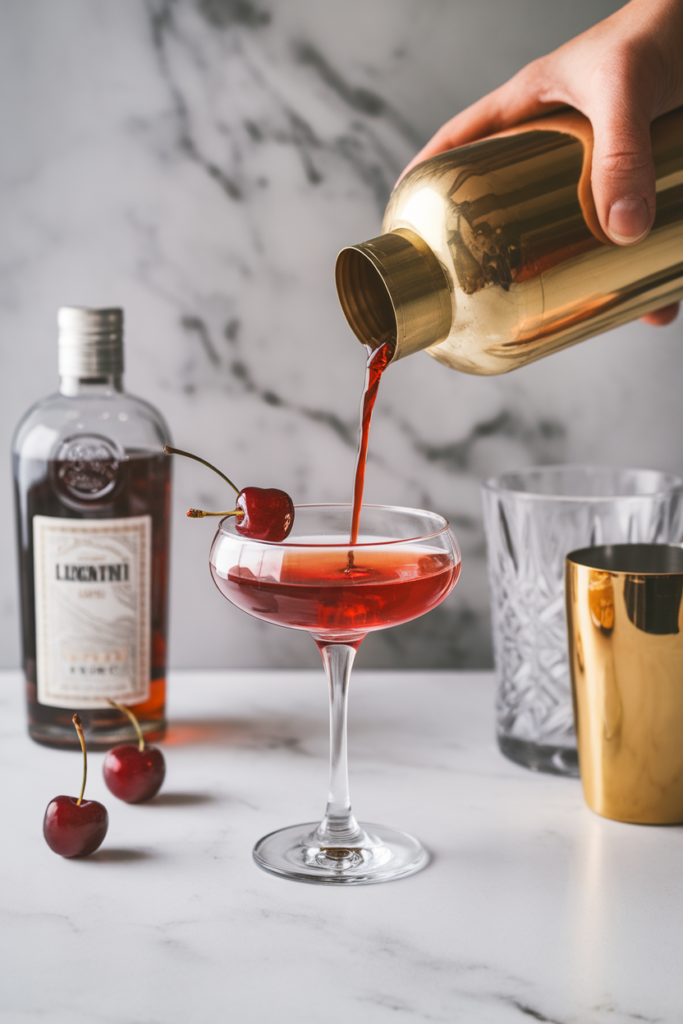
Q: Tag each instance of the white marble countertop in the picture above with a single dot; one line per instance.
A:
(533, 908)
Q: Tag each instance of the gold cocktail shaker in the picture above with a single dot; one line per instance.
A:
(492, 255)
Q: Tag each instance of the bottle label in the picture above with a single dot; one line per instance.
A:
(93, 614)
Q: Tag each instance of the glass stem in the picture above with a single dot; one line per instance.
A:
(338, 828)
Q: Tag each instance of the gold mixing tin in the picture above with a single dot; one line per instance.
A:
(492, 255)
(625, 624)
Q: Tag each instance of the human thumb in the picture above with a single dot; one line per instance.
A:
(623, 176)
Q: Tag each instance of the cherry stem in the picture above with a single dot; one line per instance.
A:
(136, 724)
(188, 455)
(198, 513)
(79, 729)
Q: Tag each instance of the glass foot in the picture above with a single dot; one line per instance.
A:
(381, 855)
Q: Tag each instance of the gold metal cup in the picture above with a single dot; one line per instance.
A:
(625, 625)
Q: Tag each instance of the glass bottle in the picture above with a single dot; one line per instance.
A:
(92, 490)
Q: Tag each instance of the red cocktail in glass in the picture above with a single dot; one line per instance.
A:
(403, 564)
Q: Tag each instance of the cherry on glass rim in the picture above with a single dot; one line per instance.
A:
(133, 773)
(262, 513)
(268, 513)
(75, 827)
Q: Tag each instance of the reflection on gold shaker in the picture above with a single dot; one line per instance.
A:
(625, 624)
(492, 254)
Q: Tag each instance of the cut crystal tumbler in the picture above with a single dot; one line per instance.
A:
(533, 518)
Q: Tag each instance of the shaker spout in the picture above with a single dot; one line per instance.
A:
(393, 288)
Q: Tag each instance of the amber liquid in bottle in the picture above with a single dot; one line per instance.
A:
(142, 487)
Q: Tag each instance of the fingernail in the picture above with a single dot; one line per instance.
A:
(629, 220)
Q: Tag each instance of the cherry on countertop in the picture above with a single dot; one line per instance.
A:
(134, 773)
(75, 827)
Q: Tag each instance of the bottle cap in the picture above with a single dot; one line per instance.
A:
(90, 342)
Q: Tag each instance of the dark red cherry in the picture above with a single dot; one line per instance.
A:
(132, 774)
(75, 827)
(263, 513)
(72, 829)
(268, 513)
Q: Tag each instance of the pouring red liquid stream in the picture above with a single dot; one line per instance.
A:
(377, 364)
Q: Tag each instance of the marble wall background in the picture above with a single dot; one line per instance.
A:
(200, 162)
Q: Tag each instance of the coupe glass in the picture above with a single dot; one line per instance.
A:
(404, 563)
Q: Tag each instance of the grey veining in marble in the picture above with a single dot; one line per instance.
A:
(201, 162)
(533, 908)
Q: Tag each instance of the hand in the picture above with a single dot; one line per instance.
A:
(622, 73)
